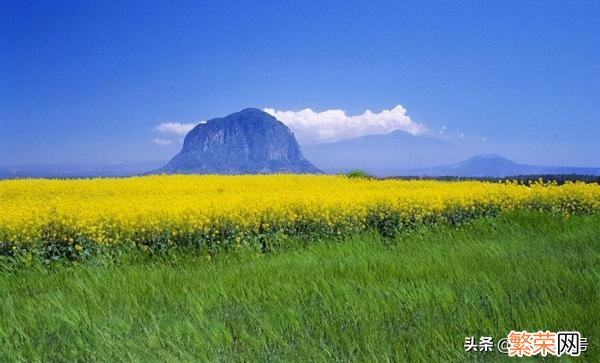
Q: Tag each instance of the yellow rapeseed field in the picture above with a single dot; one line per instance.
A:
(238, 209)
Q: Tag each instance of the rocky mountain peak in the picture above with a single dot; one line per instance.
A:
(247, 142)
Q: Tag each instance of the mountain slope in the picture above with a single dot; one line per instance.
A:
(246, 142)
(493, 165)
(383, 155)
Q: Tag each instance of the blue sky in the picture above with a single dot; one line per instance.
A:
(89, 81)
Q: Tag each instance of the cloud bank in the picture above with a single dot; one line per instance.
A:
(312, 127)
(173, 132)
(175, 128)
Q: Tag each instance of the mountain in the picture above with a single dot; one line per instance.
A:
(78, 170)
(493, 165)
(384, 155)
(247, 142)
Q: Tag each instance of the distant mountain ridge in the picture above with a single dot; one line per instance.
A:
(254, 142)
(494, 165)
(78, 170)
(402, 154)
(247, 142)
(384, 155)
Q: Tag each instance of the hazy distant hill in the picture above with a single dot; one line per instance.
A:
(493, 165)
(382, 155)
(247, 142)
(78, 170)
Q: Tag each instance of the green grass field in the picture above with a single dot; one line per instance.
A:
(413, 298)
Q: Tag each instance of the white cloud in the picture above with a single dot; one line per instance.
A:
(312, 127)
(175, 128)
(173, 132)
(162, 142)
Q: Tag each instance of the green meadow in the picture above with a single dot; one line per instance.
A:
(415, 297)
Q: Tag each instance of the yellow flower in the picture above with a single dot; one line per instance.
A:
(115, 210)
